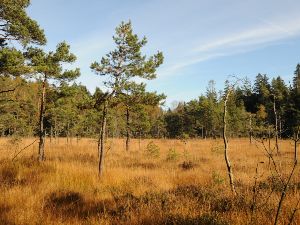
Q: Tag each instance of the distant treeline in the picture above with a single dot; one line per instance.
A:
(71, 111)
(253, 109)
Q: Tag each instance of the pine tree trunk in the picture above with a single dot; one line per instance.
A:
(296, 139)
(269, 137)
(42, 133)
(276, 126)
(127, 129)
(280, 127)
(51, 133)
(101, 145)
(68, 125)
(229, 167)
(55, 131)
(250, 131)
(140, 137)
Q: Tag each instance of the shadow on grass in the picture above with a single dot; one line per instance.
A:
(4, 218)
(69, 204)
(205, 219)
(26, 171)
(150, 208)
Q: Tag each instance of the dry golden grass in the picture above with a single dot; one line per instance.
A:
(186, 183)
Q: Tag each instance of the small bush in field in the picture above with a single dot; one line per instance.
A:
(217, 149)
(172, 155)
(217, 178)
(186, 155)
(152, 150)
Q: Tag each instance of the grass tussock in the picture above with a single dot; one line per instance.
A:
(164, 182)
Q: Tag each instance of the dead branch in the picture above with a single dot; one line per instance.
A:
(16, 155)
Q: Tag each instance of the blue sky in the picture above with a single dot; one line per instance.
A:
(201, 40)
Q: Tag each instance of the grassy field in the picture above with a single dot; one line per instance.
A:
(168, 182)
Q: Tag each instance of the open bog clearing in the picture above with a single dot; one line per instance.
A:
(149, 112)
(156, 182)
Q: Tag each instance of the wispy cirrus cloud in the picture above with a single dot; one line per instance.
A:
(265, 34)
(173, 68)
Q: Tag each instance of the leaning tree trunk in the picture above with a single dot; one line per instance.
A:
(229, 167)
(101, 145)
(42, 132)
(127, 129)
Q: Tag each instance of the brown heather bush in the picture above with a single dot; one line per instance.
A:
(143, 187)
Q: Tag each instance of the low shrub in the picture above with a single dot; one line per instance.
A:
(152, 150)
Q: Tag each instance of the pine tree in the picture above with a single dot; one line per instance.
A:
(47, 67)
(120, 66)
(134, 96)
(16, 25)
(295, 100)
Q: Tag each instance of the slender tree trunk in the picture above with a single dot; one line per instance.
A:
(127, 129)
(251, 131)
(101, 146)
(140, 136)
(51, 133)
(280, 127)
(68, 132)
(296, 140)
(55, 130)
(276, 126)
(42, 133)
(229, 167)
(113, 135)
(269, 137)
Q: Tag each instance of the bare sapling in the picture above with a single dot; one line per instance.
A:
(42, 130)
(283, 182)
(295, 139)
(250, 128)
(228, 164)
(102, 139)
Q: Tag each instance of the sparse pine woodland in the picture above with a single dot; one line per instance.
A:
(118, 156)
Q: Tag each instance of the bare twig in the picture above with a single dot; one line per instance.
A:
(255, 193)
(284, 190)
(294, 212)
(270, 156)
(283, 194)
(19, 152)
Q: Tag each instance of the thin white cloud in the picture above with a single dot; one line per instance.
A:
(240, 42)
(268, 33)
(175, 67)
